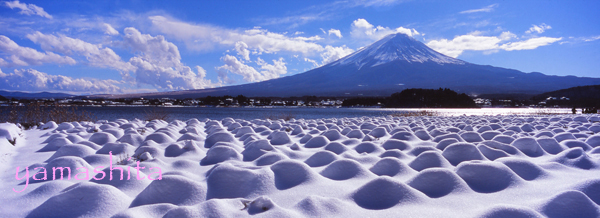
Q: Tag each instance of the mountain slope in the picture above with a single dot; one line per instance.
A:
(390, 65)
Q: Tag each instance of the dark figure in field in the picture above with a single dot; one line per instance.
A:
(574, 110)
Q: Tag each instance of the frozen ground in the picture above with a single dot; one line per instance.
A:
(461, 166)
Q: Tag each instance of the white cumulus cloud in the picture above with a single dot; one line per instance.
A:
(538, 29)
(242, 50)
(95, 54)
(489, 44)
(249, 74)
(24, 56)
(332, 54)
(362, 29)
(109, 30)
(28, 9)
(315, 63)
(158, 64)
(206, 37)
(529, 44)
(33, 80)
(456, 46)
(335, 32)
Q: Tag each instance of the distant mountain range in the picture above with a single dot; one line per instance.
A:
(38, 95)
(390, 65)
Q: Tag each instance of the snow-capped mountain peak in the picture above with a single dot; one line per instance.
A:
(395, 47)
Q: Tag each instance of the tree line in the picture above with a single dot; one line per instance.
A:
(416, 98)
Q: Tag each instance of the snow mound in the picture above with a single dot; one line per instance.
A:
(321, 158)
(570, 204)
(336, 147)
(428, 159)
(159, 137)
(49, 125)
(490, 152)
(593, 141)
(65, 167)
(280, 138)
(384, 192)
(190, 136)
(459, 152)
(513, 211)
(333, 135)
(228, 181)
(575, 157)
(564, 136)
(471, 137)
(437, 182)
(550, 145)
(269, 158)
(344, 169)
(441, 145)
(367, 147)
(55, 144)
(591, 188)
(218, 154)
(524, 168)
(290, 173)
(448, 136)
(189, 148)
(173, 189)
(256, 149)
(318, 206)
(72, 150)
(317, 142)
(570, 143)
(378, 132)
(101, 138)
(92, 200)
(129, 184)
(356, 134)
(486, 177)
(393, 153)
(405, 136)
(10, 132)
(395, 144)
(152, 210)
(390, 167)
(211, 208)
(529, 146)
(504, 139)
(116, 149)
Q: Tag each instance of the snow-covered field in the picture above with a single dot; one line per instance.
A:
(461, 166)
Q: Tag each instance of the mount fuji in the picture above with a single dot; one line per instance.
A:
(390, 65)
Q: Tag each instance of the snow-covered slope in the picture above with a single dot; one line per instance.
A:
(395, 47)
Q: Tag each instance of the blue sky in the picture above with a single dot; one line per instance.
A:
(86, 47)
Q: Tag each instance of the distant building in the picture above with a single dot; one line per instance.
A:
(483, 102)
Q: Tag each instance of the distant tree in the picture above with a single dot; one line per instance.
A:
(430, 98)
(363, 101)
(242, 100)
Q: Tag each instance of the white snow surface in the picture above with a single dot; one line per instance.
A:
(395, 47)
(461, 166)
